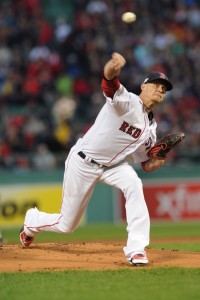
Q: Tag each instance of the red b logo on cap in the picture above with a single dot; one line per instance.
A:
(162, 75)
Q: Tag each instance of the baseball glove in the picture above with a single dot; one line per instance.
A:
(163, 146)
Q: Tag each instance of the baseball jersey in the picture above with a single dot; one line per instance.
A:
(122, 128)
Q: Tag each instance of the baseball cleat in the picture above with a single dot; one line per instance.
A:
(139, 259)
(25, 239)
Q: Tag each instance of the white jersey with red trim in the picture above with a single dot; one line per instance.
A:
(122, 128)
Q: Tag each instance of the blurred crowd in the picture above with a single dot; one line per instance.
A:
(50, 73)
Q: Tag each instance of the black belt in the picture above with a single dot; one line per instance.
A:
(82, 155)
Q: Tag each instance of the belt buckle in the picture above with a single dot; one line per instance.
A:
(88, 159)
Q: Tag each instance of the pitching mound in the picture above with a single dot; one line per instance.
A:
(85, 256)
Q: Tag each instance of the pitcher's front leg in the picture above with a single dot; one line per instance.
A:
(126, 179)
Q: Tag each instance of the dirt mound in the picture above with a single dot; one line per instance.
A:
(85, 256)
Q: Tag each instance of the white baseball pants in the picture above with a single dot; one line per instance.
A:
(79, 181)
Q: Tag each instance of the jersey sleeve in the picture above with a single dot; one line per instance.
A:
(109, 87)
(139, 157)
(118, 96)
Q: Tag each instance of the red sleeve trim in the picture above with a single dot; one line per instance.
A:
(143, 164)
(109, 87)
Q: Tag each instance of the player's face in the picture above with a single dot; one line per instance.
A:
(153, 94)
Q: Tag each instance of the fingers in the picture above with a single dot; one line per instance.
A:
(159, 162)
(153, 164)
(118, 61)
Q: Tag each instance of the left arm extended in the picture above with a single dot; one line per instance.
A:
(159, 151)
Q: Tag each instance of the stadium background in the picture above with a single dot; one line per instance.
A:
(51, 55)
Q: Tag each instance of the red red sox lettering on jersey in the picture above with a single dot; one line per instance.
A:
(135, 133)
(129, 129)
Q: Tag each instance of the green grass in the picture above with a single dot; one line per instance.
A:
(98, 232)
(83, 233)
(136, 283)
(184, 246)
(152, 284)
(176, 230)
(173, 229)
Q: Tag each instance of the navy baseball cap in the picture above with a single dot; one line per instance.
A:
(161, 77)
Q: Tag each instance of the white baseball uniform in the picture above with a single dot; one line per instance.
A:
(121, 129)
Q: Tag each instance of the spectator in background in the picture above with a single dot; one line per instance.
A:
(62, 30)
(43, 159)
(63, 111)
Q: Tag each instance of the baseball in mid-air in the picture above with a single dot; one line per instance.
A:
(129, 17)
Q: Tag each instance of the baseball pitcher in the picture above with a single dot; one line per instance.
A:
(124, 127)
